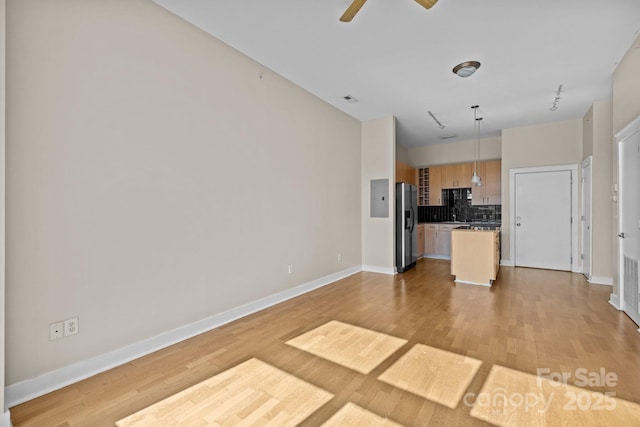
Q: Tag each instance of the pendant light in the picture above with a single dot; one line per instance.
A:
(475, 179)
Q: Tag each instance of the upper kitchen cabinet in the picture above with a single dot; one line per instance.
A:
(490, 193)
(435, 186)
(457, 176)
(423, 186)
(406, 173)
(464, 172)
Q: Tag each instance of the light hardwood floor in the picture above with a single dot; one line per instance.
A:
(529, 320)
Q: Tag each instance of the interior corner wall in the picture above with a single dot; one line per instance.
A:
(626, 87)
(549, 144)
(587, 134)
(378, 162)
(2, 206)
(455, 152)
(402, 154)
(626, 107)
(602, 203)
(147, 165)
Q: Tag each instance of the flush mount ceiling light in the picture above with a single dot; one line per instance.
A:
(466, 69)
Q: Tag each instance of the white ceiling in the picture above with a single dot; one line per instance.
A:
(396, 57)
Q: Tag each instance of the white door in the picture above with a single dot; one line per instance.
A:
(542, 232)
(586, 217)
(629, 221)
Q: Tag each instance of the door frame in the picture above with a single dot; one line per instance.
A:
(589, 254)
(573, 168)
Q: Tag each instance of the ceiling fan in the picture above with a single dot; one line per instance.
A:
(351, 11)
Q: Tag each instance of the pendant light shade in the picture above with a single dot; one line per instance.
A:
(476, 180)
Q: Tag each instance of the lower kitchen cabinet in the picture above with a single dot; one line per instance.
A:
(430, 237)
(421, 236)
(438, 240)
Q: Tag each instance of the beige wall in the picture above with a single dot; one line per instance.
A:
(2, 200)
(402, 154)
(626, 87)
(626, 107)
(157, 177)
(587, 133)
(601, 137)
(378, 162)
(455, 152)
(548, 144)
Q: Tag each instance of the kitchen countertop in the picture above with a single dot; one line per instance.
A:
(471, 226)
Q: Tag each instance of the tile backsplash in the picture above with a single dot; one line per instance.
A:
(458, 202)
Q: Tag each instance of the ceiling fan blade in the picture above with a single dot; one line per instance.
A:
(351, 11)
(428, 4)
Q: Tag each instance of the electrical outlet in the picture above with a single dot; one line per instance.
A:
(56, 331)
(71, 326)
(290, 268)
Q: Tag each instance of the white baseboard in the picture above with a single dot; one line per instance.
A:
(5, 419)
(614, 300)
(382, 270)
(467, 282)
(34, 387)
(506, 263)
(601, 280)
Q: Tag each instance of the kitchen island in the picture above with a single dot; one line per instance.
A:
(475, 255)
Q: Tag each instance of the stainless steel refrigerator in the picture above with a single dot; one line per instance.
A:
(406, 226)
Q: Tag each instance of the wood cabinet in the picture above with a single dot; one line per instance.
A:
(457, 176)
(493, 187)
(423, 186)
(448, 176)
(406, 173)
(464, 172)
(432, 180)
(438, 240)
(490, 193)
(443, 240)
(431, 235)
(435, 186)
(475, 256)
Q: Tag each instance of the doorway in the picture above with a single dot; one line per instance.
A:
(585, 222)
(543, 231)
(629, 218)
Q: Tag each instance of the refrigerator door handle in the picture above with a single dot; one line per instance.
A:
(413, 219)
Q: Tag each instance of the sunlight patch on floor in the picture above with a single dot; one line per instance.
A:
(252, 393)
(437, 375)
(353, 415)
(348, 345)
(513, 398)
